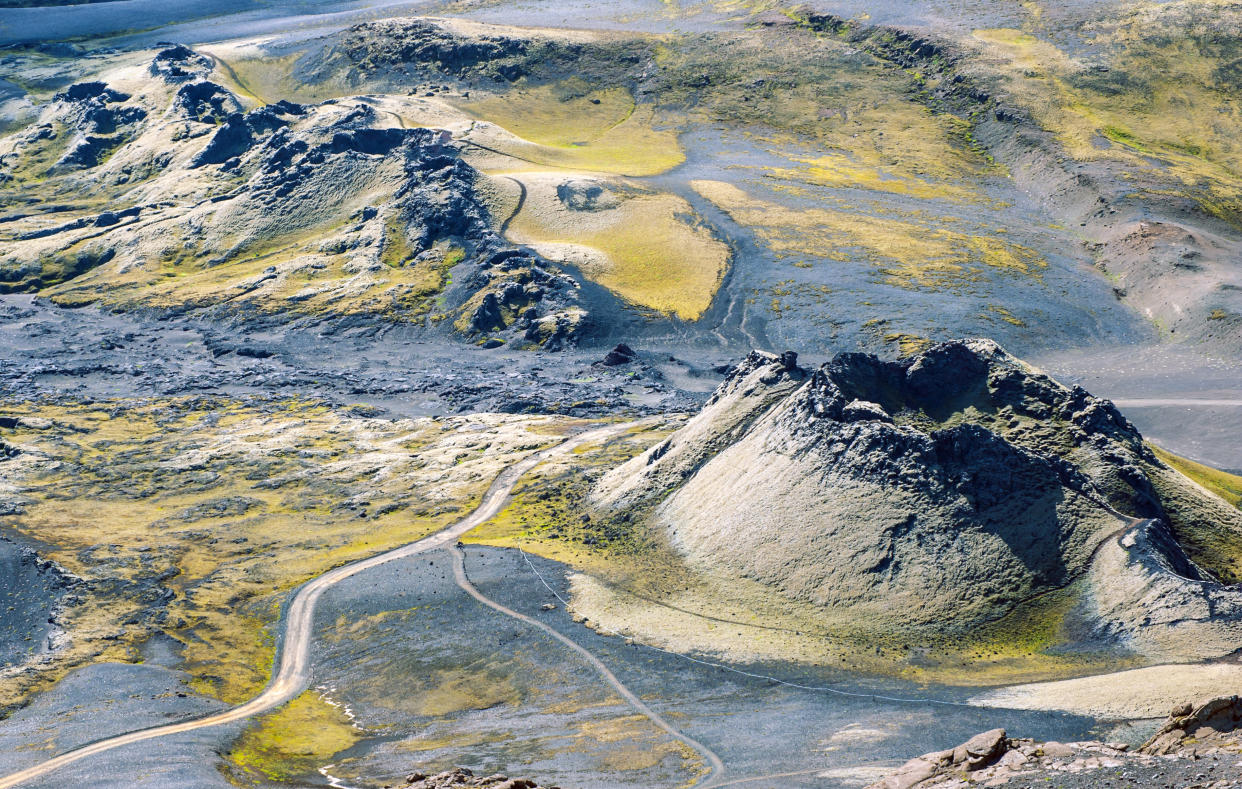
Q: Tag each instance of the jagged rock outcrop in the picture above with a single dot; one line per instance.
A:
(940, 491)
(240, 131)
(1214, 722)
(977, 753)
(391, 42)
(206, 102)
(1181, 753)
(40, 593)
(621, 354)
(100, 120)
(446, 49)
(288, 211)
(461, 776)
(178, 63)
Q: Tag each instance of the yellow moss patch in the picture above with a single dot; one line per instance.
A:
(429, 689)
(294, 740)
(907, 253)
(456, 740)
(908, 344)
(792, 86)
(1005, 315)
(264, 80)
(1017, 646)
(565, 115)
(38, 157)
(569, 126)
(227, 506)
(448, 691)
(840, 170)
(554, 492)
(654, 597)
(1222, 483)
(307, 280)
(354, 626)
(648, 247)
(1168, 94)
(641, 749)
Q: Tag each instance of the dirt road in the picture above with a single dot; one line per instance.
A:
(293, 675)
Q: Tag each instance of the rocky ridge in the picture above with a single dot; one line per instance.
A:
(462, 776)
(388, 43)
(187, 203)
(940, 491)
(38, 594)
(1173, 259)
(85, 354)
(1199, 745)
(440, 49)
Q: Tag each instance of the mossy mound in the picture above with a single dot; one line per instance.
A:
(941, 492)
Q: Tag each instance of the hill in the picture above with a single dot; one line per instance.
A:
(939, 492)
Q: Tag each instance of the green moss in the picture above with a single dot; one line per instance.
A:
(1222, 483)
(548, 507)
(291, 742)
(1209, 537)
(37, 159)
(1226, 209)
(420, 278)
(438, 691)
(907, 344)
(308, 279)
(57, 267)
(1005, 315)
(1163, 92)
(397, 250)
(570, 125)
(652, 248)
(915, 253)
(867, 117)
(256, 513)
(1121, 136)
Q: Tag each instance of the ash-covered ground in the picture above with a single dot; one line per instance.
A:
(515, 698)
(85, 353)
(257, 321)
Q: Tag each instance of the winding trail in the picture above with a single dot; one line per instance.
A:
(521, 203)
(717, 766)
(293, 675)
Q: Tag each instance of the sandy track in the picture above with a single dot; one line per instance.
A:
(293, 675)
(709, 757)
(1187, 402)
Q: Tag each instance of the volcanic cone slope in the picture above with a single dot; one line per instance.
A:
(942, 490)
